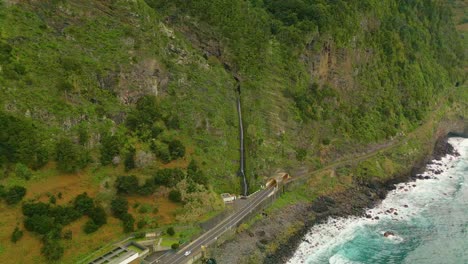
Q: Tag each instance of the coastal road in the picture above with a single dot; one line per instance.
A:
(211, 235)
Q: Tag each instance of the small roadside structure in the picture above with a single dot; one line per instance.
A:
(128, 253)
(228, 198)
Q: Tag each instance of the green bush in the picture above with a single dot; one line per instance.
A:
(128, 223)
(141, 224)
(175, 246)
(90, 227)
(195, 174)
(15, 194)
(175, 196)
(98, 215)
(176, 149)
(69, 156)
(301, 154)
(126, 184)
(161, 150)
(168, 177)
(41, 224)
(37, 208)
(119, 207)
(16, 235)
(52, 250)
(110, 147)
(170, 231)
(23, 171)
(83, 203)
(129, 161)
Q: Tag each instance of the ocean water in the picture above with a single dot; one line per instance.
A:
(429, 219)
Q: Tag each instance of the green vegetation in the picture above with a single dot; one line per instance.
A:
(141, 95)
(47, 219)
(17, 235)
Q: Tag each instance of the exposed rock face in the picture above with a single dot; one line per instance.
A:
(388, 234)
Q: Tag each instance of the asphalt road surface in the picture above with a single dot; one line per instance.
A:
(211, 235)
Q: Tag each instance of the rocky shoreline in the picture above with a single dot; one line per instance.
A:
(353, 201)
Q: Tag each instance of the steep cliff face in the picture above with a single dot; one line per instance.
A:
(318, 79)
(93, 90)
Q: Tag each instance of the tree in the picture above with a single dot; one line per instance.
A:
(141, 223)
(175, 196)
(128, 223)
(129, 161)
(175, 246)
(126, 184)
(41, 224)
(170, 231)
(147, 188)
(161, 150)
(17, 235)
(52, 250)
(110, 147)
(119, 207)
(176, 149)
(83, 203)
(90, 227)
(38, 208)
(195, 174)
(23, 171)
(52, 199)
(168, 177)
(67, 155)
(98, 215)
(15, 194)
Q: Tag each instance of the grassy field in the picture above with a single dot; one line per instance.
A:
(50, 182)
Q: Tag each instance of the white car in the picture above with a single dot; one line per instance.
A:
(187, 253)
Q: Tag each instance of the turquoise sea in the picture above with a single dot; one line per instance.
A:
(428, 219)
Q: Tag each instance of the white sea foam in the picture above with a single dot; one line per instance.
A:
(401, 204)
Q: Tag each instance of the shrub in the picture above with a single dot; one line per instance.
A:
(175, 246)
(145, 208)
(147, 188)
(110, 147)
(126, 184)
(23, 171)
(301, 154)
(38, 208)
(195, 174)
(168, 177)
(15, 194)
(139, 234)
(141, 223)
(161, 150)
(68, 235)
(128, 223)
(17, 235)
(90, 227)
(175, 196)
(41, 224)
(176, 149)
(52, 199)
(170, 231)
(98, 215)
(129, 161)
(64, 214)
(69, 156)
(83, 203)
(52, 250)
(119, 207)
